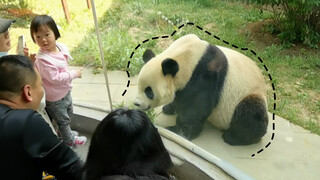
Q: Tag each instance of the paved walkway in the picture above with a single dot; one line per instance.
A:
(294, 153)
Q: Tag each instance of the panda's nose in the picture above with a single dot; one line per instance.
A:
(137, 104)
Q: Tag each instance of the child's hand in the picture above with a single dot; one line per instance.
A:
(80, 73)
(33, 57)
(26, 53)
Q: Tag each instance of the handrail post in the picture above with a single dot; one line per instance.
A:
(66, 10)
(101, 52)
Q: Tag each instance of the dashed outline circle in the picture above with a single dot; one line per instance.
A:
(229, 44)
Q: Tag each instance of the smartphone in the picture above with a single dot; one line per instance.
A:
(21, 45)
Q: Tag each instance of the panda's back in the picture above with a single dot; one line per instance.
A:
(243, 78)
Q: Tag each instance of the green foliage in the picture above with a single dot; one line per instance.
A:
(117, 46)
(22, 4)
(295, 20)
(127, 23)
(119, 49)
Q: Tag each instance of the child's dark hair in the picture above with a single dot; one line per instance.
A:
(126, 143)
(43, 20)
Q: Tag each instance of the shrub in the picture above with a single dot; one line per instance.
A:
(295, 20)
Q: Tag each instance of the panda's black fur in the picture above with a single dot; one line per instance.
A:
(195, 102)
(205, 97)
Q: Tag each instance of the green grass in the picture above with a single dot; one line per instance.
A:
(295, 77)
(127, 23)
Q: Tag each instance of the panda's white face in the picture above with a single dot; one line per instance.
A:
(168, 72)
(154, 89)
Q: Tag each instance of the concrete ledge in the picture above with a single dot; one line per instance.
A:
(85, 119)
(188, 165)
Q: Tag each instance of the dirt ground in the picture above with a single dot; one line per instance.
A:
(258, 33)
(21, 13)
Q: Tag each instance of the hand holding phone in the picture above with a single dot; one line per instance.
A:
(21, 45)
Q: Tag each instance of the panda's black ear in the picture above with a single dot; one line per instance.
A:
(147, 55)
(169, 66)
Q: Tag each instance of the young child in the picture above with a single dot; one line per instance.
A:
(52, 63)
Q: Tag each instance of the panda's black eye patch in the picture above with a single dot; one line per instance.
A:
(149, 93)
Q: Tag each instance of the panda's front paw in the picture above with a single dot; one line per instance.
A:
(169, 109)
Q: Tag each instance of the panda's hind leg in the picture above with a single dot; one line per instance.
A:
(249, 122)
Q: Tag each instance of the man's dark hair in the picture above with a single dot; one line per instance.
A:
(15, 72)
(43, 20)
(126, 143)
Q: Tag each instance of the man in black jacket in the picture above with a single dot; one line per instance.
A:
(27, 144)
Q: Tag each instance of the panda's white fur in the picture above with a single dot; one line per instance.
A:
(242, 80)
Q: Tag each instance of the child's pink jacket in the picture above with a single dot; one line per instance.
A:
(53, 67)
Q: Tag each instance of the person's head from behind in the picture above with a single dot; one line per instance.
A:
(44, 32)
(5, 42)
(126, 143)
(20, 82)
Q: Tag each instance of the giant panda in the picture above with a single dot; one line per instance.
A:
(199, 81)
